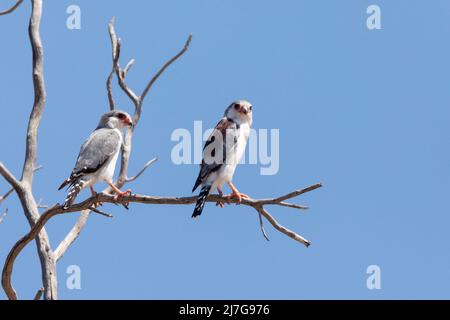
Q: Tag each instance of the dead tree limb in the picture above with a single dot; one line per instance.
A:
(258, 205)
(10, 178)
(14, 7)
(3, 215)
(5, 173)
(6, 195)
(23, 187)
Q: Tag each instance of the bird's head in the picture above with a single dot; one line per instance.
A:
(240, 112)
(116, 119)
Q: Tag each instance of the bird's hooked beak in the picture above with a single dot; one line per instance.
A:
(243, 110)
(128, 122)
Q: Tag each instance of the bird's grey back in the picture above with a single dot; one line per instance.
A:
(97, 149)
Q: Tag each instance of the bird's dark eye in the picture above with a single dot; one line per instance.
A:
(121, 116)
(251, 107)
(236, 106)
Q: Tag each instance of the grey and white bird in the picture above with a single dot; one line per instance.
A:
(98, 156)
(222, 152)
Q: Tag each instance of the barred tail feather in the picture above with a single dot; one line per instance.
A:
(197, 182)
(65, 183)
(73, 192)
(201, 200)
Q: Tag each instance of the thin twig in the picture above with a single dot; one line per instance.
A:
(148, 164)
(6, 195)
(292, 205)
(112, 104)
(38, 294)
(296, 193)
(88, 203)
(45, 252)
(281, 228)
(128, 67)
(10, 178)
(102, 213)
(40, 205)
(165, 66)
(14, 7)
(116, 46)
(261, 225)
(3, 215)
(72, 235)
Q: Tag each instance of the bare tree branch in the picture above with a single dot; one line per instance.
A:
(10, 178)
(258, 205)
(128, 66)
(119, 72)
(3, 215)
(165, 66)
(6, 195)
(112, 104)
(290, 195)
(10, 191)
(38, 295)
(261, 225)
(148, 164)
(45, 252)
(24, 187)
(14, 7)
(2, 198)
(72, 235)
(292, 205)
(102, 213)
(280, 228)
(39, 92)
(40, 205)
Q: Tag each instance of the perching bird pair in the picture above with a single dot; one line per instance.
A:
(221, 153)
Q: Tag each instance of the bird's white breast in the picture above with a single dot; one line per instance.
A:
(244, 133)
(234, 156)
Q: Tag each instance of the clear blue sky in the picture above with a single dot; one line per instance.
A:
(364, 112)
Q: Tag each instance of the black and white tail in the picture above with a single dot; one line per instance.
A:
(73, 191)
(201, 200)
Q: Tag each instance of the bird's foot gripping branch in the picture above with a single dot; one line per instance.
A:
(258, 204)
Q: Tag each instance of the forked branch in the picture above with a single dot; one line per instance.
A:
(14, 7)
(258, 205)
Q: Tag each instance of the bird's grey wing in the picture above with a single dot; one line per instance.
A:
(217, 142)
(101, 145)
(97, 150)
